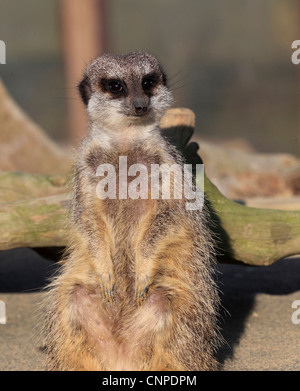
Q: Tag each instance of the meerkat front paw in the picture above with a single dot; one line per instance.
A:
(107, 284)
(142, 283)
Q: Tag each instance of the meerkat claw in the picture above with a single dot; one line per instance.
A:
(141, 294)
(107, 288)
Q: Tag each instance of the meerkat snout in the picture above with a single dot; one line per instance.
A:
(141, 106)
(121, 91)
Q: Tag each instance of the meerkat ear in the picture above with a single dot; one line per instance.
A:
(85, 90)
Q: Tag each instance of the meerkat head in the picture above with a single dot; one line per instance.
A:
(124, 90)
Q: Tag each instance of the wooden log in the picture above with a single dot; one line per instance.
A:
(24, 145)
(253, 236)
(39, 222)
(240, 174)
(281, 203)
(250, 235)
(16, 186)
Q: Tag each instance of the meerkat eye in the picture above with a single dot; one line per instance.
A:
(115, 86)
(148, 84)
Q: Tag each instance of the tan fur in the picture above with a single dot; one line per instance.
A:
(135, 290)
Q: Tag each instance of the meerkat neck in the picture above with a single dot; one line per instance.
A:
(123, 137)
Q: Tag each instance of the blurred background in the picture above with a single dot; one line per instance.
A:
(229, 61)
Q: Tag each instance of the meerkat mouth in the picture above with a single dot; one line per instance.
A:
(139, 115)
(142, 113)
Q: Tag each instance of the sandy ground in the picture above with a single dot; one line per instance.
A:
(256, 315)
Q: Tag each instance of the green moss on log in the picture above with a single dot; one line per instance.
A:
(252, 235)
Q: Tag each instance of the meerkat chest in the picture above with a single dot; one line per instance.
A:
(124, 183)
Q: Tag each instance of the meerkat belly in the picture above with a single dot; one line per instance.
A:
(127, 218)
(119, 332)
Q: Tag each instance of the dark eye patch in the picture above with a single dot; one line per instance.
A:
(149, 82)
(117, 88)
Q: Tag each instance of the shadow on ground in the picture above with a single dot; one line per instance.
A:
(239, 286)
(23, 270)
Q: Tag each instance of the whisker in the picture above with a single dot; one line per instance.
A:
(175, 74)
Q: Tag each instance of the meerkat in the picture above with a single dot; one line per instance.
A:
(135, 290)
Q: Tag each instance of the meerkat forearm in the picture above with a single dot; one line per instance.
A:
(91, 224)
(156, 233)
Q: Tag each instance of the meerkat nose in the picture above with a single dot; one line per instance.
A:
(141, 110)
(140, 107)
